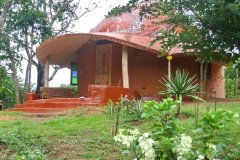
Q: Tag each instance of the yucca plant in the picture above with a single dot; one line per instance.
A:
(182, 84)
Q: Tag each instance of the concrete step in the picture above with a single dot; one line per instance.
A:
(72, 100)
(55, 105)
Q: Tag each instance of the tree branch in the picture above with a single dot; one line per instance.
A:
(56, 68)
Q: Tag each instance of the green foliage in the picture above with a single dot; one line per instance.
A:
(72, 136)
(209, 142)
(68, 137)
(164, 129)
(23, 145)
(230, 78)
(210, 29)
(180, 85)
(124, 110)
(209, 131)
(6, 89)
(127, 109)
(120, 9)
(73, 88)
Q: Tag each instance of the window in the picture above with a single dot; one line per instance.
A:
(74, 74)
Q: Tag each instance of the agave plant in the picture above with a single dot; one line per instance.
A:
(182, 84)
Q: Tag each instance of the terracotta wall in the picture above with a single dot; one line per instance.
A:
(145, 70)
(116, 64)
(86, 67)
(216, 81)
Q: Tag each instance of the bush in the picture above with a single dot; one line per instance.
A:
(165, 141)
(21, 145)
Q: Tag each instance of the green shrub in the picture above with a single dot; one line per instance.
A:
(22, 146)
(165, 141)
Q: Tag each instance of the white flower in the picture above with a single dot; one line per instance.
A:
(200, 157)
(184, 147)
(127, 143)
(134, 132)
(126, 139)
(145, 135)
(146, 145)
(186, 141)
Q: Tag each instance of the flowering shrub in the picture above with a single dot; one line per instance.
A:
(212, 141)
(127, 137)
(140, 145)
(183, 149)
(146, 145)
(165, 142)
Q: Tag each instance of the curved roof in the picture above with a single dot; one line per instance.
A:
(127, 29)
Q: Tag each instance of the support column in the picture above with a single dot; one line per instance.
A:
(125, 67)
(46, 74)
(169, 58)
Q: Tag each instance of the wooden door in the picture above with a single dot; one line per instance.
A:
(103, 64)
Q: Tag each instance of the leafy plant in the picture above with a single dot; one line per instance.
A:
(212, 140)
(140, 146)
(126, 109)
(180, 85)
(167, 143)
(6, 88)
(23, 145)
(164, 129)
(163, 140)
(73, 88)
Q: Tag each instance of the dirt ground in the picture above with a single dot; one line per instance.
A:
(48, 116)
(7, 118)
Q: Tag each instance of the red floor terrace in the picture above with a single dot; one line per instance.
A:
(49, 101)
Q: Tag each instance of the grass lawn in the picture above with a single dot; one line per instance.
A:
(81, 136)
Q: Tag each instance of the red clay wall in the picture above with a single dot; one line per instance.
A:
(86, 68)
(216, 81)
(117, 64)
(145, 70)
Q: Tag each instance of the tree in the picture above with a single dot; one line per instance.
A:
(30, 22)
(10, 60)
(4, 6)
(8, 55)
(209, 29)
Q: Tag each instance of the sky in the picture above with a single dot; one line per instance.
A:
(85, 24)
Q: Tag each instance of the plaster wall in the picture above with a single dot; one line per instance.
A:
(145, 70)
(86, 67)
(216, 82)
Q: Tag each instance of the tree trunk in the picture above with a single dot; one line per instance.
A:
(236, 83)
(15, 80)
(27, 78)
(201, 78)
(205, 79)
(40, 76)
(4, 14)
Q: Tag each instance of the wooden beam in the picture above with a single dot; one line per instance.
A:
(46, 73)
(125, 75)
